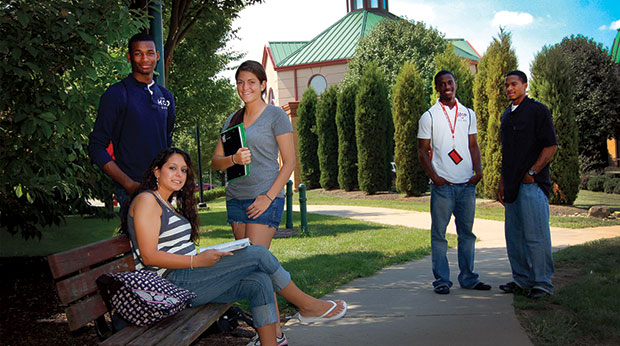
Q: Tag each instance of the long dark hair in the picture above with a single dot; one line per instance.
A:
(186, 201)
(255, 68)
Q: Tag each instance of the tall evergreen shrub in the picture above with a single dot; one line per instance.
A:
(347, 147)
(372, 110)
(308, 142)
(408, 107)
(501, 61)
(552, 86)
(327, 135)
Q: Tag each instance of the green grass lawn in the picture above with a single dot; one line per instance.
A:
(587, 199)
(585, 309)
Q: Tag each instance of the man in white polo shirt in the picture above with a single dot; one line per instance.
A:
(449, 152)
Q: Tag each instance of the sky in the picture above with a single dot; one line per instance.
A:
(533, 23)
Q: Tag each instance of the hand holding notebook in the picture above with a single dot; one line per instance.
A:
(232, 140)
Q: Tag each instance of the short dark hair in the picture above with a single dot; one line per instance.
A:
(519, 74)
(441, 73)
(140, 37)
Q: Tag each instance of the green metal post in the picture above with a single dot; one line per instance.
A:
(157, 32)
(302, 208)
(289, 204)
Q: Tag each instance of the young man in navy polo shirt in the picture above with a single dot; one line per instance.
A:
(528, 145)
(448, 150)
(137, 116)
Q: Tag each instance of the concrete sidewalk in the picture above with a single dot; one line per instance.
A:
(397, 306)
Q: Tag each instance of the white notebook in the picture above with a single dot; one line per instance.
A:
(229, 246)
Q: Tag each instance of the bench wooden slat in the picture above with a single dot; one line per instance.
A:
(124, 336)
(73, 260)
(195, 326)
(127, 335)
(191, 323)
(81, 285)
(89, 309)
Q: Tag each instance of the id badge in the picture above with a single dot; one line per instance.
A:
(454, 155)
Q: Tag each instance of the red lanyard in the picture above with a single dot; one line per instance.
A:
(452, 128)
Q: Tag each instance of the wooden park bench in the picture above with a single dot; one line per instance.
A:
(75, 272)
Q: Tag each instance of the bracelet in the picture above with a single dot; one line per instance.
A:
(271, 199)
(232, 158)
(191, 262)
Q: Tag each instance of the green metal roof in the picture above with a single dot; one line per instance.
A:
(281, 50)
(615, 49)
(463, 49)
(339, 41)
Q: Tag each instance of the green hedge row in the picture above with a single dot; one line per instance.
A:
(603, 183)
(212, 194)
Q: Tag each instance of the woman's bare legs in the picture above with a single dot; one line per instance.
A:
(267, 334)
(260, 235)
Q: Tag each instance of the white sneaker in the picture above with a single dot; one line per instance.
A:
(282, 341)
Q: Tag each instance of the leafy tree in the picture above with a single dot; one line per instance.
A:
(182, 16)
(57, 58)
(347, 147)
(373, 124)
(327, 136)
(393, 42)
(595, 93)
(552, 86)
(460, 69)
(308, 142)
(203, 100)
(501, 60)
(408, 108)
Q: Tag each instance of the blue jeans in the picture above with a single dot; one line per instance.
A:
(121, 195)
(252, 274)
(528, 239)
(236, 210)
(460, 200)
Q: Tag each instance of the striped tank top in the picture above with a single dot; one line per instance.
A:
(174, 235)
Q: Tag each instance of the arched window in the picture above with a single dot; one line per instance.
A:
(271, 98)
(318, 83)
(374, 3)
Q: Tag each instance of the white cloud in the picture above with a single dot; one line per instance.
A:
(613, 26)
(503, 18)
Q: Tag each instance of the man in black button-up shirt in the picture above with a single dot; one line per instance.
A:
(528, 144)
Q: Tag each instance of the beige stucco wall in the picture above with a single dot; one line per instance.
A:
(332, 73)
(283, 82)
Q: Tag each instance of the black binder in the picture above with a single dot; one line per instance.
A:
(233, 139)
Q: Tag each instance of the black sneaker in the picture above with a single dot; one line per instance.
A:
(481, 286)
(443, 289)
(510, 287)
(537, 293)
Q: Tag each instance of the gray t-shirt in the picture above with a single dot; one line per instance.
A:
(261, 140)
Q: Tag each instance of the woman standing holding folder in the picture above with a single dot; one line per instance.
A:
(255, 203)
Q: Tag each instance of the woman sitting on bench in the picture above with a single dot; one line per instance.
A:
(165, 240)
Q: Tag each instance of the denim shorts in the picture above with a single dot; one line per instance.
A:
(237, 212)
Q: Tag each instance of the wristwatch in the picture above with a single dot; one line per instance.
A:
(531, 172)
